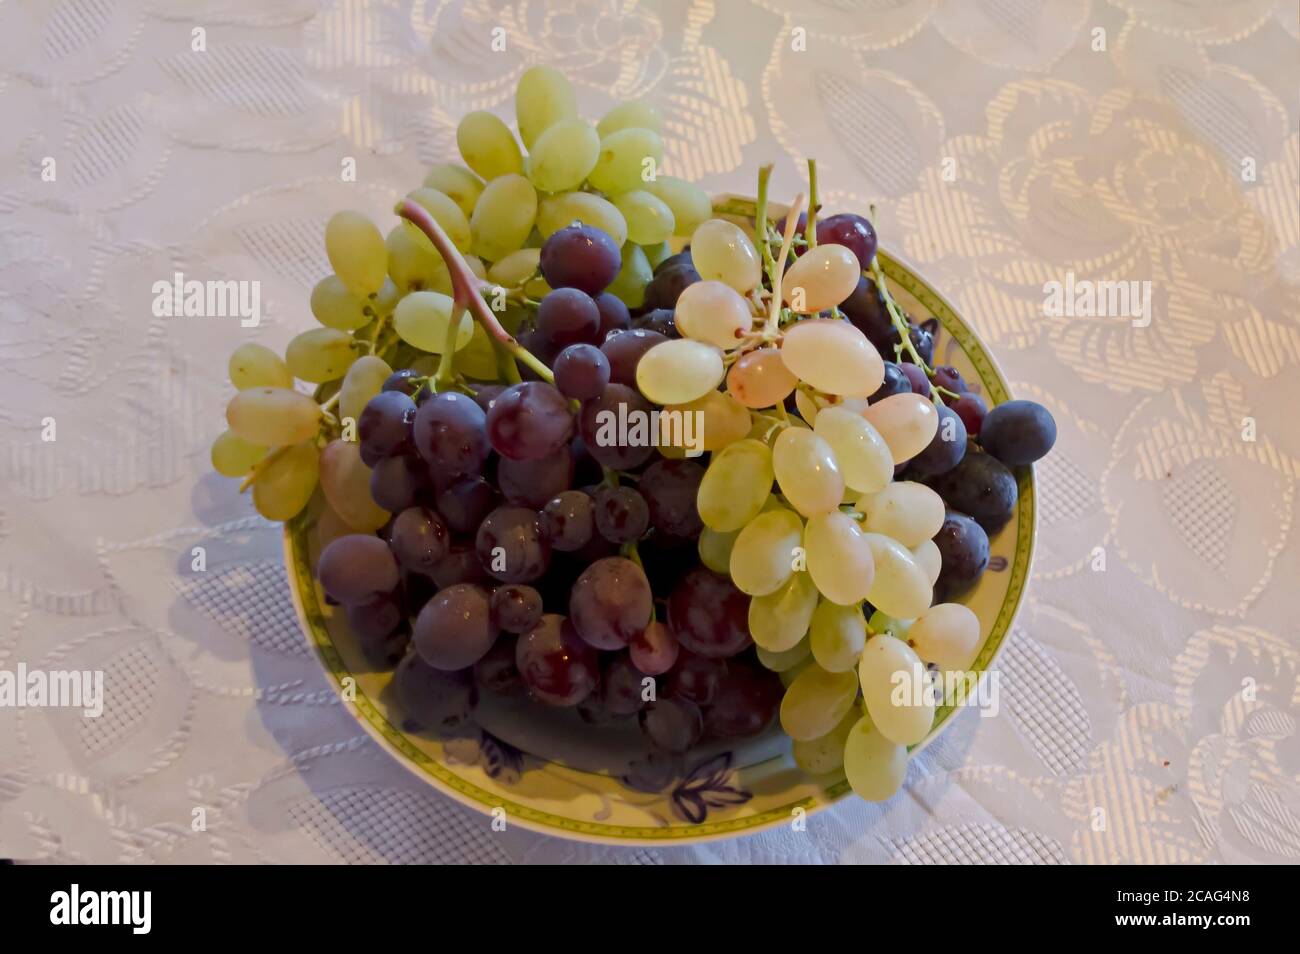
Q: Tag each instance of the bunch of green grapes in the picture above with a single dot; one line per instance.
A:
(838, 532)
(390, 298)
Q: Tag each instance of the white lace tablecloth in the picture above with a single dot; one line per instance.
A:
(1149, 698)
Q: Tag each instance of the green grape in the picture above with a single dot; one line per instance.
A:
(735, 485)
(388, 296)
(895, 686)
(721, 251)
(763, 558)
(286, 481)
(839, 557)
(413, 262)
(273, 416)
(825, 754)
(690, 205)
(356, 252)
(557, 211)
(320, 354)
(446, 213)
(948, 635)
(874, 766)
(779, 620)
(899, 586)
(786, 659)
(488, 146)
(679, 371)
(629, 158)
(909, 512)
(715, 549)
(631, 115)
(476, 266)
(816, 702)
(837, 635)
(633, 276)
(930, 560)
(657, 252)
(504, 217)
(543, 98)
(478, 359)
(806, 471)
(345, 479)
(563, 156)
(788, 676)
(256, 366)
(516, 268)
(336, 307)
(884, 623)
(422, 320)
(649, 220)
(907, 422)
(363, 381)
(232, 456)
(456, 181)
(861, 453)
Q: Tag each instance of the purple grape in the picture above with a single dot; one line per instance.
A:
(610, 604)
(622, 687)
(946, 448)
(614, 315)
(946, 376)
(396, 482)
(465, 502)
(624, 350)
(568, 520)
(460, 565)
(384, 428)
(667, 285)
(541, 347)
(416, 590)
(511, 546)
(455, 629)
(852, 231)
(529, 420)
(516, 607)
(972, 411)
(556, 665)
(605, 430)
(695, 677)
(670, 488)
(661, 320)
(746, 703)
(1018, 432)
(434, 701)
(678, 258)
(488, 393)
(655, 650)
(531, 483)
(419, 539)
(922, 341)
(672, 725)
(964, 549)
(357, 568)
(708, 615)
(582, 257)
(379, 629)
(496, 671)
(917, 379)
(581, 371)
(568, 316)
(408, 381)
(621, 514)
(450, 434)
(980, 486)
(896, 381)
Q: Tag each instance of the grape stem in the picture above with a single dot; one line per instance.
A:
(443, 377)
(760, 222)
(791, 217)
(901, 324)
(465, 287)
(260, 466)
(810, 229)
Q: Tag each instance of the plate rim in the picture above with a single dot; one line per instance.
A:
(374, 723)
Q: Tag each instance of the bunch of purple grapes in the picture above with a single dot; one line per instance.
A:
(535, 550)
